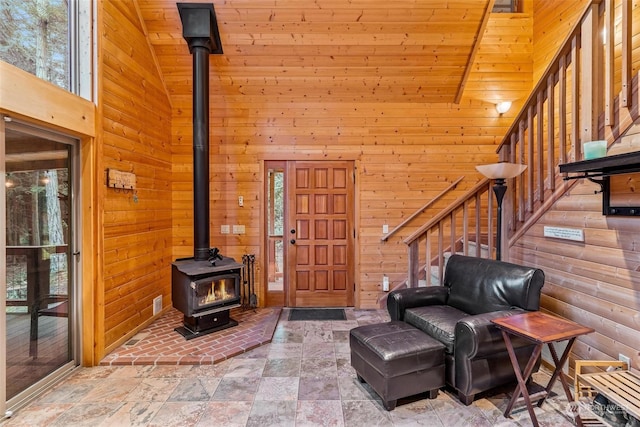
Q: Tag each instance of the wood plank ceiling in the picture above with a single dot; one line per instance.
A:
(325, 50)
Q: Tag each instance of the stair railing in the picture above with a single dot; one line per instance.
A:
(462, 227)
(424, 207)
(577, 99)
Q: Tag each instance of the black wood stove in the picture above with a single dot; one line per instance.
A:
(204, 288)
(205, 293)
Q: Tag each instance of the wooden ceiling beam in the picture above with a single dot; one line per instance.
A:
(474, 50)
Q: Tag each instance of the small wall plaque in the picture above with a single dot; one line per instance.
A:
(575, 234)
(119, 179)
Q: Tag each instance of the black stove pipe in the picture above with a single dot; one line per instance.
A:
(201, 238)
(200, 30)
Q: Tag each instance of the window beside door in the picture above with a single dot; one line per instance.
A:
(275, 233)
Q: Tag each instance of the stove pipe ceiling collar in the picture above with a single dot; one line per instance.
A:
(199, 26)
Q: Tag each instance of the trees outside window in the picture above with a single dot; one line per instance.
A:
(34, 36)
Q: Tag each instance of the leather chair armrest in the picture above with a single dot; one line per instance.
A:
(401, 299)
(476, 336)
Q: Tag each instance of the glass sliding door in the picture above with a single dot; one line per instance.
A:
(39, 223)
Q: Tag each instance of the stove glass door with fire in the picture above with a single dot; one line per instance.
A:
(216, 291)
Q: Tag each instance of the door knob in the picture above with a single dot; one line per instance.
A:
(293, 231)
(292, 241)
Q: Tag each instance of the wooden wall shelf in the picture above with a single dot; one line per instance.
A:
(599, 170)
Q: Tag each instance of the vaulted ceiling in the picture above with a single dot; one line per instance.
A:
(326, 50)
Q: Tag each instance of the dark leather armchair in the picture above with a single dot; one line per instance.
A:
(459, 314)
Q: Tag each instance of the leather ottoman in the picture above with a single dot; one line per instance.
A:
(397, 360)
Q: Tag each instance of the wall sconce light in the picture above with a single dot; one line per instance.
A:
(503, 107)
(500, 172)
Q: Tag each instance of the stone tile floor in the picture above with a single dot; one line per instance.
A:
(302, 377)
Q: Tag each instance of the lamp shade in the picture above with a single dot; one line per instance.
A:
(501, 170)
(503, 107)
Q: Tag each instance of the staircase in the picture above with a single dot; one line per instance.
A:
(587, 93)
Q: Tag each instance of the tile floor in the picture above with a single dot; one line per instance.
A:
(302, 378)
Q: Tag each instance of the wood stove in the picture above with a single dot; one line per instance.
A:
(205, 293)
(204, 288)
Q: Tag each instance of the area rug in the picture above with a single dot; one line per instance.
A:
(317, 314)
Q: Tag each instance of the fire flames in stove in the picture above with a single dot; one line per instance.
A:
(219, 290)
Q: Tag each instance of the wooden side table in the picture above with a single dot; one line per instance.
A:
(541, 329)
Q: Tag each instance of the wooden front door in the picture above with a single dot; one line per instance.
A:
(319, 237)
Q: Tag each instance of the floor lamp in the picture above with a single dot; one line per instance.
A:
(500, 172)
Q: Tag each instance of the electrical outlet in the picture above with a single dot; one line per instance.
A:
(157, 305)
(626, 359)
(225, 229)
(385, 283)
(385, 228)
(240, 201)
(238, 229)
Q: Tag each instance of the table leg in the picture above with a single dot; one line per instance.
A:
(522, 377)
(557, 372)
(559, 364)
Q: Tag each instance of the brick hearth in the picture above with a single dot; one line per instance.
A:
(159, 344)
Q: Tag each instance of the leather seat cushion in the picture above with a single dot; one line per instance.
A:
(439, 321)
(396, 348)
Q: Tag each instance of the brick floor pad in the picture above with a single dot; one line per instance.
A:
(159, 344)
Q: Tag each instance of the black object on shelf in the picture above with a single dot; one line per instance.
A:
(599, 171)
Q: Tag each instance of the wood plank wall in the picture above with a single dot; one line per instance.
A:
(503, 65)
(405, 152)
(595, 282)
(134, 137)
(552, 21)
